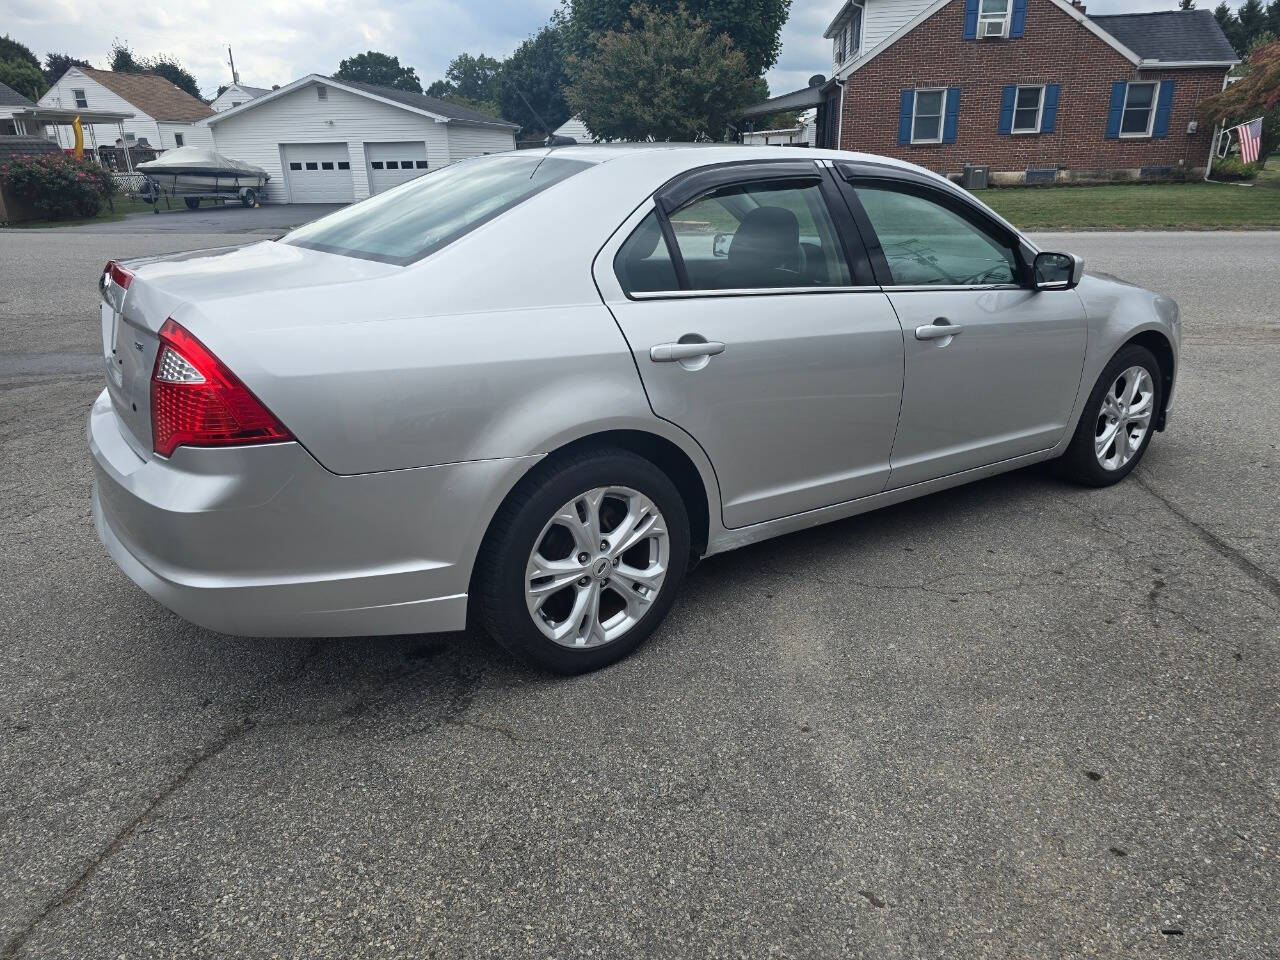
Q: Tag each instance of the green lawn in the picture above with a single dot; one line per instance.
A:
(1167, 206)
(122, 207)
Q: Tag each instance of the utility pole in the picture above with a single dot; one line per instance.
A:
(235, 77)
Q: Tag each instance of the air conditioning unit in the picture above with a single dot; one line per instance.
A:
(991, 28)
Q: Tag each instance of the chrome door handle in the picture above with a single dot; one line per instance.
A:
(938, 329)
(670, 352)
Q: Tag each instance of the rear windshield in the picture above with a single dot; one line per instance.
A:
(417, 218)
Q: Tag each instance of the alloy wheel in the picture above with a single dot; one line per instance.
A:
(1124, 418)
(597, 566)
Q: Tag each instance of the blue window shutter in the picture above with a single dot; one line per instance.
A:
(904, 115)
(971, 19)
(1164, 106)
(1019, 22)
(1049, 116)
(1006, 108)
(951, 114)
(1117, 108)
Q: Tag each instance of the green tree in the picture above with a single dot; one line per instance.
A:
(1186, 4)
(754, 26)
(1229, 24)
(23, 77)
(175, 73)
(1273, 17)
(670, 77)
(536, 72)
(11, 49)
(123, 60)
(471, 82)
(380, 70)
(56, 64)
(1253, 22)
(1256, 93)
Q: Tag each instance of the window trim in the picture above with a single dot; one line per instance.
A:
(77, 96)
(957, 205)
(942, 114)
(1013, 123)
(1151, 110)
(1005, 18)
(179, 140)
(674, 196)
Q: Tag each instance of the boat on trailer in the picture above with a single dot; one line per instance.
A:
(195, 174)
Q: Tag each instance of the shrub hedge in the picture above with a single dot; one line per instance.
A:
(58, 185)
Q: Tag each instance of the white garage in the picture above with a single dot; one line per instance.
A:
(332, 141)
(317, 172)
(391, 164)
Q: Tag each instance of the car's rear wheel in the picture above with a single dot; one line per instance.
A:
(192, 202)
(583, 560)
(1118, 420)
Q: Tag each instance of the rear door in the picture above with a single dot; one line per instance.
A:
(318, 172)
(391, 164)
(992, 364)
(756, 326)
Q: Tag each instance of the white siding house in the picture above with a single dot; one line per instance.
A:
(163, 115)
(325, 140)
(235, 95)
(574, 127)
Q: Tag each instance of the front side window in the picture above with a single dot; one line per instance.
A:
(928, 244)
(992, 11)
(1139, 108)
(1027, 109)
(422, 215)
(926, 120)
(760, 235)
(81, 100)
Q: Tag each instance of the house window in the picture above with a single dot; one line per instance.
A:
(131, 137)
(236, 103)
(926, 119)
(295, 165)
(992, 18)
(344, 165)
(376, 164)
(322, 93)
(178, 140)
(1027, 109)
(1139, 110)
(81, 100)
(312, 165)
(327, 165)
(421, 164)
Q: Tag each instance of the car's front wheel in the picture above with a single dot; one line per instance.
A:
(583, 560)
(1118, 420)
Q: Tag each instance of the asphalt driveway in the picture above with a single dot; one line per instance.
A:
(269, 220)
(1018, 719)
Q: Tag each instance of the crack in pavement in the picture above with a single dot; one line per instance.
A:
(1216, 543)
(210, 751)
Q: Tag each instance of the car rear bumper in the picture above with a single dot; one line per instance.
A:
(263, 541)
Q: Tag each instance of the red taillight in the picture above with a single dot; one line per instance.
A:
(196, 401)
(118, 274)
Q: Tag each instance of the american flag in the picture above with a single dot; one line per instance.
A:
(1250, 135)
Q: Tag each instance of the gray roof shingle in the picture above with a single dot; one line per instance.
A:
(11, 146)
(10, 97)
(1175, 36)
(431, 104)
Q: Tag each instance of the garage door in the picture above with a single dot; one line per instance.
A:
(394, 163)
(318, 172)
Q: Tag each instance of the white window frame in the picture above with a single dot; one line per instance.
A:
(1013, 122)
(942, 112)
(77, 96)
(179, 140)
(322, 93)
(1004, 17)
(1151, 111)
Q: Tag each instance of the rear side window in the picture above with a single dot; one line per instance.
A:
(643, 264)
(417, 218)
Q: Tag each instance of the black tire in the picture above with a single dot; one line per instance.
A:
(498, 584)
(249, 198)
(192, 202)
(1080, 463)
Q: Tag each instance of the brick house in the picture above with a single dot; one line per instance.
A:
(1036, 89)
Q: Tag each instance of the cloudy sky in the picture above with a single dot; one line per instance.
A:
(276, 41)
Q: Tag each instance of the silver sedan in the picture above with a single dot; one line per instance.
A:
(529, 390)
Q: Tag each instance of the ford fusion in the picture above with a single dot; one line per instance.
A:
(529, 390)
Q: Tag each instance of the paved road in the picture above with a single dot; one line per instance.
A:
(1020, 719)
(270, 220)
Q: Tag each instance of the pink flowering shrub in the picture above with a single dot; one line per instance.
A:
(58, 184)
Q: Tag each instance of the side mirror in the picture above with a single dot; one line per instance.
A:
(1057, 271)
(720, 245)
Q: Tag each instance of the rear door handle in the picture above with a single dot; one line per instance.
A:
(938, 329)
(670, 352)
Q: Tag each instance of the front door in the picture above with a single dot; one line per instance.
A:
(992, 365)
(764, 338)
